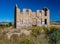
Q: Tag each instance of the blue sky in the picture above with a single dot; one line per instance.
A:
(7, 8)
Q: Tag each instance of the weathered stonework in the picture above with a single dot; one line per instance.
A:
(29, 18)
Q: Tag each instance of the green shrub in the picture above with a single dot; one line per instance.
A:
(35, 31)
(54, 35)
(25, 40)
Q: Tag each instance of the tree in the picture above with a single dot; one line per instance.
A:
(10, 24)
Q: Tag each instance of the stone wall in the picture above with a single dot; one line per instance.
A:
(29, 18)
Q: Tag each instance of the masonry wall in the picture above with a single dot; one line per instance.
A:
(28, 18)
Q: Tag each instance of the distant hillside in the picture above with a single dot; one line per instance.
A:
(6, 22)
(51, 22)
(55, 22)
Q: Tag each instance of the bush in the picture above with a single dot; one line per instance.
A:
(14, 39)
(25, 40)
(3, 39)
(54, 35)
(35, 31)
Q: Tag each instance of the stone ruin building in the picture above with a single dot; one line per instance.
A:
(28, 18)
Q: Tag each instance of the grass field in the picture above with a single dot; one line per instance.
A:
(34, 35)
